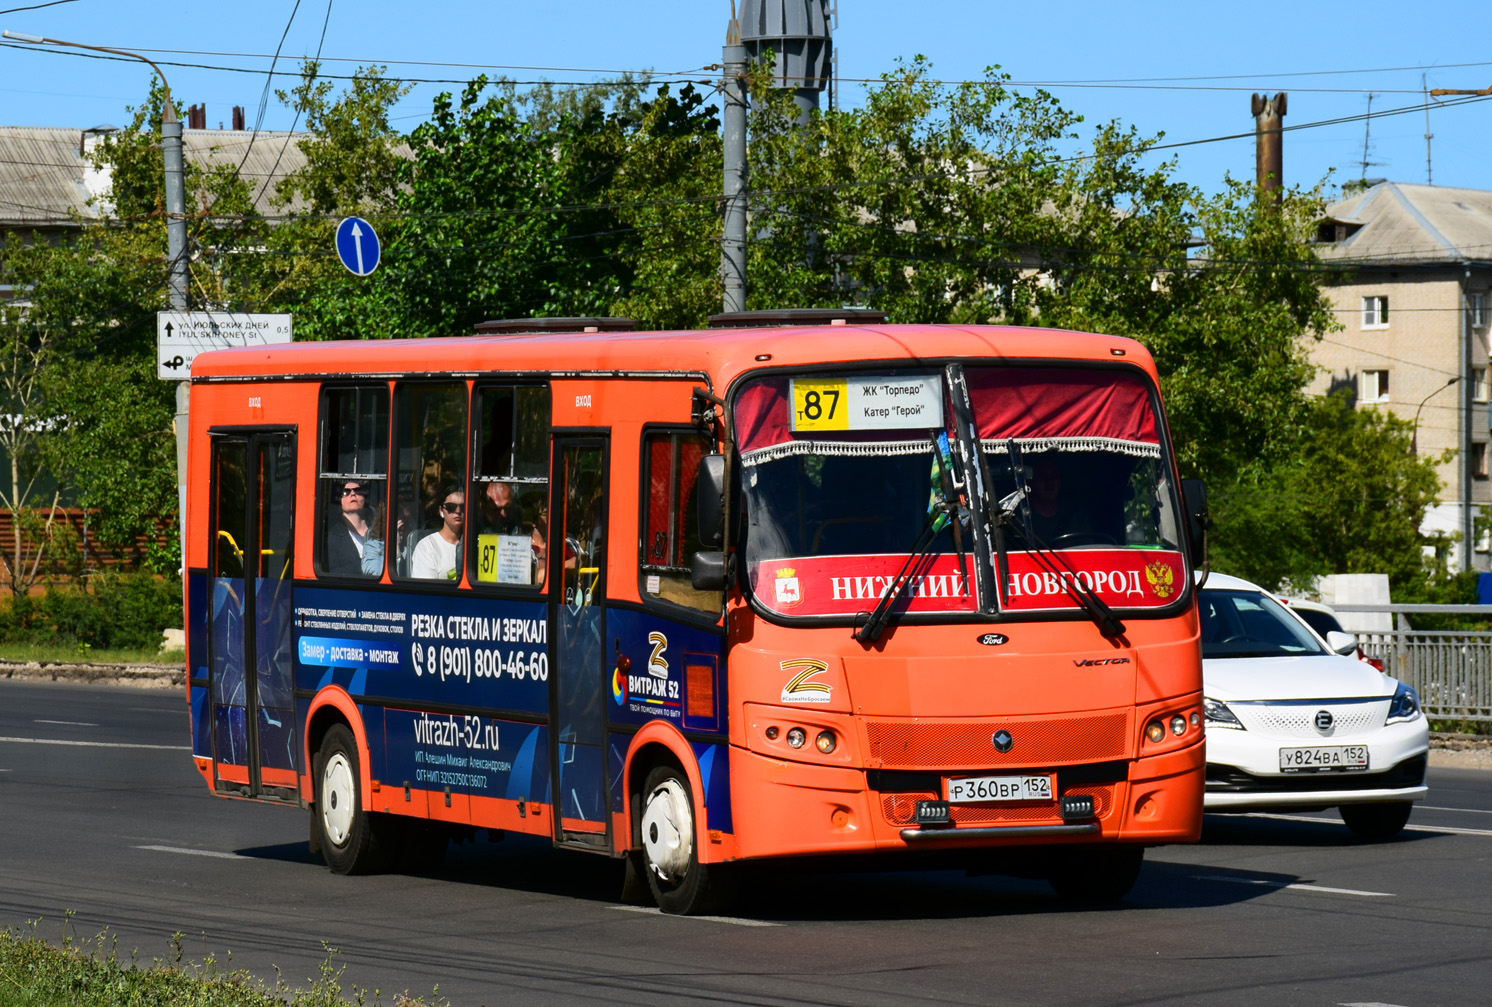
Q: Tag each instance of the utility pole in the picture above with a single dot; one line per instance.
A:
(1429, 173)
(176, 241)
(733, 238)
(1269, 170)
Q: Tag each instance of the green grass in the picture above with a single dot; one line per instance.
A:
(35, 973)
(19, 653)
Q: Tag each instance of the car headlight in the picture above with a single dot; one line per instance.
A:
(1218, 715)
(1405, 705)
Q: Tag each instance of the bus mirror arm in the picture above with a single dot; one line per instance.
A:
(1198, 522)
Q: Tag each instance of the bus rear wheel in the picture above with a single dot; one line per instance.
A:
(1094, 874)
(352, 840)
(679, 882)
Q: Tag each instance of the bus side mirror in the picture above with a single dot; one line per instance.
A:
(1194, 500)
(707, 571)
(709, 496)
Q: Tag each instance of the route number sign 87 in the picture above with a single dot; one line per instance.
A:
(820, 405)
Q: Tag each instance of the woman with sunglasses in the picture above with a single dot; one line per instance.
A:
(347, 538)
(438, 556)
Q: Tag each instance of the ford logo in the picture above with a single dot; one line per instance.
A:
(993, 639)
(1324, 720)
(1002, 741)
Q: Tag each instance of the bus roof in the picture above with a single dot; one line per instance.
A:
(721, 353)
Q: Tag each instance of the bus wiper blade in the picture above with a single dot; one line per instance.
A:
(940, 511)
(1055, 563)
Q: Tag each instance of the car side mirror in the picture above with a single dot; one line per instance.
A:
(709, 496)
(1198, 520)
(1343, 643)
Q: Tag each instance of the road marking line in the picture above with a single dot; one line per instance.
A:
(194, 853)
(733, 920)
(1282, 884)
(66, 723)
(1334, 821)
(1468, 811)
(1373, 1004)
(94, 744)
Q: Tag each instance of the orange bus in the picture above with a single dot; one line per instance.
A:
(802, 584)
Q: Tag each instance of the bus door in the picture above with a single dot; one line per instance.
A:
(577, 558)
(249, 618)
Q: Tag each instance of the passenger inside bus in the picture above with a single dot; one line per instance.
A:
(437, 557)
(347, 537)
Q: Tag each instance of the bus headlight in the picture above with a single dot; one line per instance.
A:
(826, 742)
(796, 737)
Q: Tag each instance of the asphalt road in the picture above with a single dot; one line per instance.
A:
(102, 815)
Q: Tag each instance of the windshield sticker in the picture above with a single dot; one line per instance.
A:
(846, 585)
(789, 593)
(798, 688)
(1126, 578)
(1162, 579)
(873, 403)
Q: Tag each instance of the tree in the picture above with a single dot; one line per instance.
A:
(1348, 497)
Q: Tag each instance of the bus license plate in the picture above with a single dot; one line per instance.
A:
(979, 789)
(1348, 758)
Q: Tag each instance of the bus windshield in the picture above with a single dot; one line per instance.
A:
(843, 474)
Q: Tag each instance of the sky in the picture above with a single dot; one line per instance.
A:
(1183, 69)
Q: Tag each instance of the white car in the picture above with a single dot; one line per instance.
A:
(1293, 725)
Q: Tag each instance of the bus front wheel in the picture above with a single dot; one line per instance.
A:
(679, 882)
(351, 842)
(1094, 873)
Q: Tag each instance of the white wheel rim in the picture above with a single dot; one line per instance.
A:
(668, 830)
(337, 797)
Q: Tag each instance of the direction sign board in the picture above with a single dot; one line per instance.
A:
(181, 335)
(357, 246)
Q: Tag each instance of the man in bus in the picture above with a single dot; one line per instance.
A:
(347, 537)
(438, 556)
(1054, 514)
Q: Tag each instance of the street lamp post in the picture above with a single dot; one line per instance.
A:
(176, 241)
(1414, 437)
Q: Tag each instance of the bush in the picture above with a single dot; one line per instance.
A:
(120, 611)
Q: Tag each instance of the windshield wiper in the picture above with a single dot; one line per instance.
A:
(1015, 518)
(941, 510)
(943, 462)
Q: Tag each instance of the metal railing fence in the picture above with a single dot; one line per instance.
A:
(1451, 669)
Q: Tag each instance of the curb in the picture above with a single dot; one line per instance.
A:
(140, 676)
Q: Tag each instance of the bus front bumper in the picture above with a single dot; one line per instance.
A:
(793, 809)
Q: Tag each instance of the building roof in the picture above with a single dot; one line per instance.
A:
(1396, 222)
(47, 182)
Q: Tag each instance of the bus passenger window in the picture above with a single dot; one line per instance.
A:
(352, 485)
(671, 532)
(510, 487)
(429, 480)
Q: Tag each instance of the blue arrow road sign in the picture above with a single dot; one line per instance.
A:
(357, 246)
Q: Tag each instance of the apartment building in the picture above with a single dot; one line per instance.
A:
(1412, 274)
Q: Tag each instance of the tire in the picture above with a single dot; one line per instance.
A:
(680, 884)
(352, 840)
(1094, 874)
(1376, 821)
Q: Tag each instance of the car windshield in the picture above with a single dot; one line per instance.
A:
(1237, 623)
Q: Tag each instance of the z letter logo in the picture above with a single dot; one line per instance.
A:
(798, 688)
